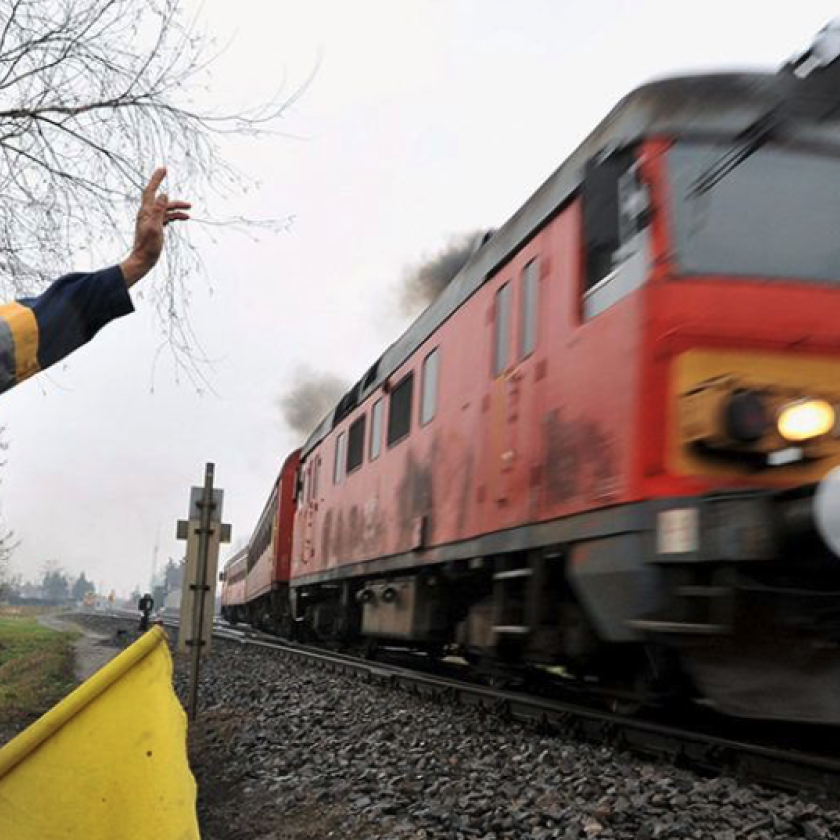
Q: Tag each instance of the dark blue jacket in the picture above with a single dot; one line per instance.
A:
(38, 332)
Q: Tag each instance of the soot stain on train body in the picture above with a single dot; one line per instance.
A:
(415, 495)
(579, 459)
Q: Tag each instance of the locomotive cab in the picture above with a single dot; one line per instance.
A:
(721, 225)
(742, 365)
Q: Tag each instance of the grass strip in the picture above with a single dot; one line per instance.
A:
(36, 667)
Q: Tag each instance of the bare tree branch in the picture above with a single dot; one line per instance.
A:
(93, 95)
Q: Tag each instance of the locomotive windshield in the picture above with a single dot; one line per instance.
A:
(777, 214)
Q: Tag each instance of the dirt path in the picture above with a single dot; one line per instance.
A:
(91, 650)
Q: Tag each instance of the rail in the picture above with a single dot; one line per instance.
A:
(785, 768)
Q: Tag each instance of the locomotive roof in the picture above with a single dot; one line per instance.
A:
(720, 104)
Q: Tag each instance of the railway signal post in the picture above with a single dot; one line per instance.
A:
(204, 532)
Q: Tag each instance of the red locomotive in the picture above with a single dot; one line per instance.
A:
(599, 447)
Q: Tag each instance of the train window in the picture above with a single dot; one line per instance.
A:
(253, 556)
(529, 309)
(315, 469)
(501, 342)
(428, 397)
(302, 485)
(265, 539)
(616, 216)
(600, 199)
(340, 454)
(370, 376)
(376, 429)
(399, 410)
(356, 444)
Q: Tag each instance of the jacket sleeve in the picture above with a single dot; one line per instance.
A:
(38, 332)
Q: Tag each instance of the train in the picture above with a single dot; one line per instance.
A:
(255, 580)
(608, 448)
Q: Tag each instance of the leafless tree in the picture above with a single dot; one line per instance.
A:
(93, 95)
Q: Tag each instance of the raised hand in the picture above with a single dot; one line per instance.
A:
(156, 211)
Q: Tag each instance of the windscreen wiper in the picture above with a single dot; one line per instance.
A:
(809, 81)
(746, 144)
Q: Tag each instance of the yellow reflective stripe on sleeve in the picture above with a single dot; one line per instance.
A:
(24, 331)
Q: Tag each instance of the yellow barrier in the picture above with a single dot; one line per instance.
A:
(108, 762)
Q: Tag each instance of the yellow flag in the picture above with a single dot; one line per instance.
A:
(108, 762)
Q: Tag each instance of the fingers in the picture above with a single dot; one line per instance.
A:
(150, 190)
(173, 211)
(163, 203)
(160, 205)
(176, 216)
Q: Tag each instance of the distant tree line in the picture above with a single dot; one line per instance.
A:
(55, 586)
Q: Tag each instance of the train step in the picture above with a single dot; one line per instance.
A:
(513, 574)
(681, 628)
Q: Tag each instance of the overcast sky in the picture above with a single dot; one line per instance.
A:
(425, 118)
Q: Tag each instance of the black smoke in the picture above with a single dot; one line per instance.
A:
(425, 280)
(308, 399)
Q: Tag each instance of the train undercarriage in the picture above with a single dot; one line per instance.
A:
(270, 612)
(747, 621)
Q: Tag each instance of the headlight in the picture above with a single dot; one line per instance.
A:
(805, 419)
(746, 417)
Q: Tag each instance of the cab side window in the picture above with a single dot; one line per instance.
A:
(615, 220)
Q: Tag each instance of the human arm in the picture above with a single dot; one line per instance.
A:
(38, 332)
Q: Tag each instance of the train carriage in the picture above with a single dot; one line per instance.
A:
(600, 446)
(269, 554)
(233, 587)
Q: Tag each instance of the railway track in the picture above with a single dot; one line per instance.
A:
(787, 768)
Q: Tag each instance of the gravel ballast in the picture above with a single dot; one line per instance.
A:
(283, 749)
